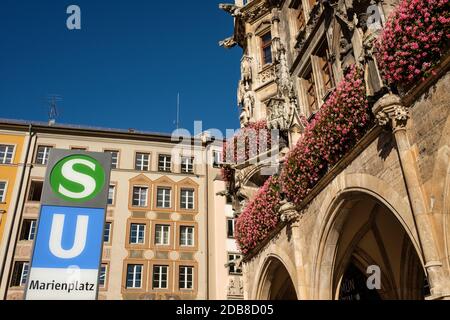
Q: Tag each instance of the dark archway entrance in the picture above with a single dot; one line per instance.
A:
(371, 236)
(276, 283)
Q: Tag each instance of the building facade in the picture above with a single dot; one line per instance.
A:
(11, 160)
(382, 207)
(162, 199)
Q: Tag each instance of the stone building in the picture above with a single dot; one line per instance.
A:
(166, 234)
(385, 206)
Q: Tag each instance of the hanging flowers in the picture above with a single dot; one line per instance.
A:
(340, 123)
(259, 217)
(413, 41)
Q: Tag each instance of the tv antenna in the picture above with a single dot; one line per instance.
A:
(53, 100)
(177, 122)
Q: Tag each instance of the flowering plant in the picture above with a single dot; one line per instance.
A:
(340, 123)
(259, 217)
(249, 141)
(413, 40)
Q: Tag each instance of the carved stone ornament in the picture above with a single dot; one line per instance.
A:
(382, 118)
(288, 212)
(228, 43)
(232, 9)
(401, 116)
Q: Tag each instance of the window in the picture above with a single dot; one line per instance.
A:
(142, 162)
(186, 277)
(111, 194)
(162, 234)
(28, 230)
(42, 154)
(20, 274)
(187, 165)
(134, 276)
(140, 195)
(164, 163)
(107, 233)
(160, 274)
(137, 233)
(163, 197)
(6, 154)
(232, 263)
(187, 199)
(103, 276)
(114, 158)
(186, 236)
(78, 148)
(35, 191)
(217, 159)
(266, 47)
(2, 191)
(325, 67)
(311, 92)
(230, 227)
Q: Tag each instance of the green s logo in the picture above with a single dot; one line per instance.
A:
(77, 178)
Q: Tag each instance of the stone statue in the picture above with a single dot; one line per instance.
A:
(246, 71)
(247, 107)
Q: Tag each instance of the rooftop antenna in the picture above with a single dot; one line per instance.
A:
(178, 111)
(53, 100)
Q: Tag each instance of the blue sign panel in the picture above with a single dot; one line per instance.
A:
(68, 237)
(69, 240)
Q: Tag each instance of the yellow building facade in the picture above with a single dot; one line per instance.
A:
(11, 148)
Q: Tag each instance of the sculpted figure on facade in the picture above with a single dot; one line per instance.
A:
(232, 9)
(246, 71)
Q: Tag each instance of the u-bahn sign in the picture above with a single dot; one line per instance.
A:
(69, 241)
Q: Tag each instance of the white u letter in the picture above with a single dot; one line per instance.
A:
(79, 240)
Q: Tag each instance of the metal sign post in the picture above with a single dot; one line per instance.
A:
(69, 241)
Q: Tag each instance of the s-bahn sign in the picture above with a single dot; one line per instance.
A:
(68, 247)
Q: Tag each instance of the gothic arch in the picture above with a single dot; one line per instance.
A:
(345, 192)
(275, 280)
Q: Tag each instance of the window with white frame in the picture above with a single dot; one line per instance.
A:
(20, 274)
(186, 277)
(217, 158)
(134, 276)
(187, 199)
(142, 162)
(187, 165)
(28, 232)
(160, 276)
(103, 275)
(2, 191)
(233, 267)
(107, 233)
(6, 153)
(137, 233)
(114, 158)
(140, 196)
(186, 236)
(111, 194)
(230, 227)
(163, 195)
(42, 154)
(164, 163)
(162, 234)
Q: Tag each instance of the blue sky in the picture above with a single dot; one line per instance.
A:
(124, 68)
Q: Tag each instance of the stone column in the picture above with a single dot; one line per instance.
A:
(390, 111)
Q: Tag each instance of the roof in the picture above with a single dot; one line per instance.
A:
(82, 130)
